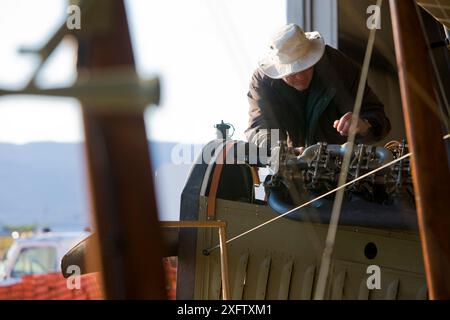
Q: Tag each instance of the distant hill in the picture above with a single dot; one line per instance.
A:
(45, 184)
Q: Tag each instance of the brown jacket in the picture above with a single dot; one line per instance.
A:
(304, 122)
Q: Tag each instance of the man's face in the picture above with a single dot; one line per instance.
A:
(300, 80)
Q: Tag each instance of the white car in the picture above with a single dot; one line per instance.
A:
(38, 254)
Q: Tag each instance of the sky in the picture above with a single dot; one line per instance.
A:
(204, 52)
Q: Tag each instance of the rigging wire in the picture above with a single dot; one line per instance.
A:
(337, 205)
(209, 250)
(311, 201)
(441, 115)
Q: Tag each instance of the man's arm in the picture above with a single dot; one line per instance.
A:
(373, 123)
(262, 118)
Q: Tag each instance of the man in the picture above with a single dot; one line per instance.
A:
(307, 90)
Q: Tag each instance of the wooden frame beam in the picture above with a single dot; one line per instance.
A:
(128, 241)
(431, 175)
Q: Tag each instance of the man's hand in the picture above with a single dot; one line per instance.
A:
(343, 125)
(297, 151)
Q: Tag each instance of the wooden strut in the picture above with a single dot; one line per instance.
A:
(129, 246)
(221, 225)
(429, 162)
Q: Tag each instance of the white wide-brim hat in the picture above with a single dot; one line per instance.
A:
(292, 50)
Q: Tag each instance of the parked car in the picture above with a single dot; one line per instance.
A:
(38, 254)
